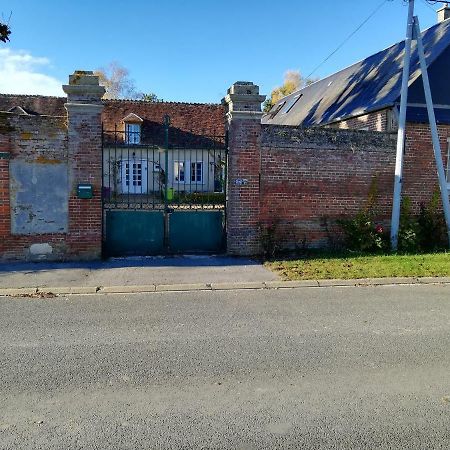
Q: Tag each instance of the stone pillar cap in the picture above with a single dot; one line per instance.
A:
(84, 82)
(243, 99)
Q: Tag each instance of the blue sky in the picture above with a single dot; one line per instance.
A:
(191, 50)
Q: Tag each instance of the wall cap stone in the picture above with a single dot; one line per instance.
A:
(244, 115)
(92, 108)
(243, 97)
(84, 83)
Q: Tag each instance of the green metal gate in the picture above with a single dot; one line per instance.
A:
(163, 190)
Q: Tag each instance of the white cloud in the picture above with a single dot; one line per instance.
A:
(21, 73)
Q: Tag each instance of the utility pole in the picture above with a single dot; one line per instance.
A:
(395, 220)
(433, 126)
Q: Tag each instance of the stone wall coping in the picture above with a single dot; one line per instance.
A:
(245, 98)
(297, 137)
(83, 89)
(84, 107)
(244, 115)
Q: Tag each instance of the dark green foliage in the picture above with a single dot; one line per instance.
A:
(199, 198)
(408, 240)
(4, 32)
(362, 233)
(268, 239)
(424, 233)
(417, 234)
(150, 97)
(267, 105)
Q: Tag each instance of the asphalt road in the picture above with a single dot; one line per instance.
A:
(317, 368)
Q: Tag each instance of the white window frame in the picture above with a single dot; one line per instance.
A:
(133, 176)
(132, 133)
(194, 173)
(176, 171)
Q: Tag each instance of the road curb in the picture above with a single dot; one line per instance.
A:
(46, 292)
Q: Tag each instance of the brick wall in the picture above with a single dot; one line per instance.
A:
(243, 188)
(302, 180)
(311, 177)
(420, 173)
(375, 121)
(42, 160)
(4, 196)
(34, 104)
(85, 167)
(32, 140)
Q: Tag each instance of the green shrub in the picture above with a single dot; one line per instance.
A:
(424, 233)
(408, 233)
(268, 239)
(363, 234)
(199, 198)
(432, 231)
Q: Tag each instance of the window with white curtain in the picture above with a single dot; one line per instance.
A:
(179, 171)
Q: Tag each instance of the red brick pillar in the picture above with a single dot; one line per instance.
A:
(244, 143)
(5, 211)
(84, 124)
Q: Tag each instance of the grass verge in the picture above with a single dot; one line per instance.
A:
(328, 266)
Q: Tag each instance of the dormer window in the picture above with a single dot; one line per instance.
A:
(133, 133)
(133, 124)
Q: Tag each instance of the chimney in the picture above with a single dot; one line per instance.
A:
(443, 13)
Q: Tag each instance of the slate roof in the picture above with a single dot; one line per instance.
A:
(369, 85)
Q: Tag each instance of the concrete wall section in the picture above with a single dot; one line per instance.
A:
(33, 187)
(39, 197)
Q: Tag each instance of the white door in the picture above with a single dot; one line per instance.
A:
(134, 176)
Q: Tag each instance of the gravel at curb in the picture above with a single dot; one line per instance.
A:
(49, 292)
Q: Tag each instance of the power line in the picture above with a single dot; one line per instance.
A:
(427, 3)
(350, 36)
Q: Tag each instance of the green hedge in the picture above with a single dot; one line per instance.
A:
(201, 198)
